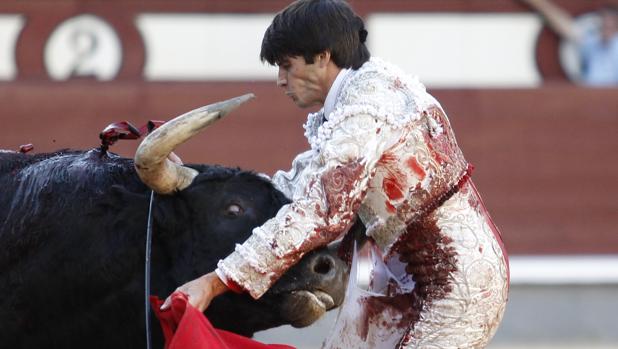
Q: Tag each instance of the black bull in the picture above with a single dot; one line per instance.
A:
(73, 240)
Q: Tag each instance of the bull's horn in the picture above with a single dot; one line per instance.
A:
(155, 170)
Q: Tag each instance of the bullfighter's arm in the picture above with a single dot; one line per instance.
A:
(332, 193)
(286, 181)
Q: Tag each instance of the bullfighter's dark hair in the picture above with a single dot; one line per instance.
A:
(309, 27)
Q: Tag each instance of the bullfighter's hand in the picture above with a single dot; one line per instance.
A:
(200, 291)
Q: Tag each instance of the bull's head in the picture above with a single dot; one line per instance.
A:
(303, 294)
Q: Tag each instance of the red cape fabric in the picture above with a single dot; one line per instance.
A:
(184, 327)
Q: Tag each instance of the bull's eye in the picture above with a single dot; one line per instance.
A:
(234, 210)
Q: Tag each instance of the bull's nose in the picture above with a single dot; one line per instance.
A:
(323, 264)
(320, 269)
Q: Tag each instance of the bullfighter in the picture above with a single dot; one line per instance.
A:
(382, 151)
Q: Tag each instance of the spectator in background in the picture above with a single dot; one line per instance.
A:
(597, 47)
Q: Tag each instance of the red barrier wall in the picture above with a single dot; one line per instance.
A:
(545, 158)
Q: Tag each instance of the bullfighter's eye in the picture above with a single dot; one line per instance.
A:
(234, 210)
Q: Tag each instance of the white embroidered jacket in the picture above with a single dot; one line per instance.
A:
(386, 153)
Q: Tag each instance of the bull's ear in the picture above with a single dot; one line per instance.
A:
(171, 215)
(129, 207)
(120, 194)
(119, 198)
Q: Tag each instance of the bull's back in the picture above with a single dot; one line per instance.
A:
(51, 194)
(34, 184)
(55, 231)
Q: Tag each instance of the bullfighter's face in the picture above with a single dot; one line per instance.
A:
(303, 83)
